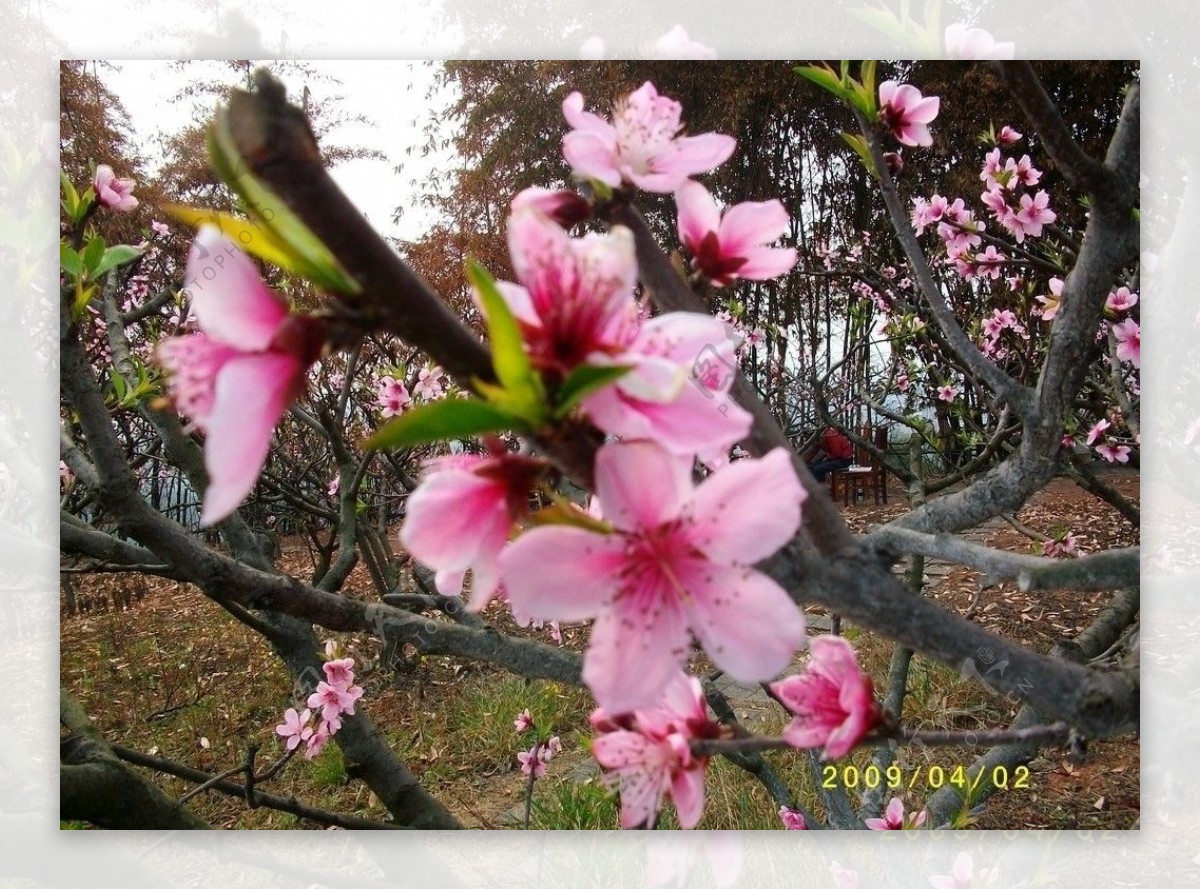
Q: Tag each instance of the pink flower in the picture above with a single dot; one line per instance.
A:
(160, 228)
(1024, 172)
(116, 194)
(531, 761)
(1008, 136)
(1113, 453)
(1051, 303)
(975, 43)
(962, 875)
(460, 516)
(793, 820)
(576, 295)
(894, 818)
(1121, 300)
(1034, 213)
(906, 112)
(833, 700)
(339, 672)
(678, 563)
(925, 213)
(683, 365)
(641, 146)
(295, 727)
(902, 383)
(728, 247)
(392, 396)
(947, 393)
(649, 753)
(989, 262)
(1129, 342)
(554, 747)
(524, 721)
(334, 700)
(430, 384)
(236, 379)
(316, 742)
(564, 206)
(1095, 432)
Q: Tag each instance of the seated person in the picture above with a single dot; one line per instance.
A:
(833, 452)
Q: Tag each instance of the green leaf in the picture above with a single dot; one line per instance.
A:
(117, 255)
(251, 237)
(447, 419)
(302, 251)
(868, 88)
(70, 197)
(864, 153)
(822, 76)
(582, 381)
(523, 391)
(70, 260)
(91, 256)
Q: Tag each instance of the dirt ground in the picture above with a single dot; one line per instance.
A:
(161, 669)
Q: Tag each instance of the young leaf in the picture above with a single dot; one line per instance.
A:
(584, 380)
(117, 255)
(70, 197)
(250, 236)
(91, 256)
(522, 386)
(860, 148)
(70, 261)
(822, 76)
(445, 419)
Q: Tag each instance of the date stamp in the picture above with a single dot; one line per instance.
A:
(933, 777)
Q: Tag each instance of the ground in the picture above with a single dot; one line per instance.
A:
(166, 672)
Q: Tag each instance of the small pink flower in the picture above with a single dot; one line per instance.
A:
(793, 820)
(1008, 136)
(902, 383)
(1095, 432)
(237, 378)
(430, 384)
(975, 43)
(1051, 303)
(531, 761)
(524, 721)
(334, 700)
(1121, 299)
(894, 818)
(679, 563)
(392, 396)
(1129, 342)
(641, 146)
(554, 747)
(460, 516)
(160, 228)
(565, 206)
(1113, 453)
(947, 393)
(317, 741)
(650, 755)
(730, 246)
(1033, 213)
(833, 700)
(116, 194)
(295, 727)
(339, 672)
(906, 112)
(335, 485)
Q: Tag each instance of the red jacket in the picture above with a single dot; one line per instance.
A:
(836, 445)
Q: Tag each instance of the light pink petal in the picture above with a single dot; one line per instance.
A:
(519, 303)
(887, 91)
(833, 657)
(591, 155)
(650, 379)
(557, 573)
(731, 523)
(752, 223)
(696, 154)
(698, 420)
(635, 651)
(923, 111)
(687, 790)
(698, 213)
(686, 337)
(620, 749)
(230, 300)
(641, 485)
(894, 813)
(877, 824)
(252, 392)
(585, 120)
(747, 623)
(452, 517)
(542, 257)
(765, 263)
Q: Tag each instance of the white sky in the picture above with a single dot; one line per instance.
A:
(390, 94)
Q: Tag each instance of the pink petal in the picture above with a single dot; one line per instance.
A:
(752, 223)
(698, 420)
(731, 525)
(519, 303)
(592, 155)
(230, 300)
(620, 749)
(698, 213)
(557, 573)
(696, 154)
(585, 120)
(651, 379)
(747, 623)
(252, 392)
(635, 651)
(641, 485)
(765, 263)
(452, 517)
(687, 790)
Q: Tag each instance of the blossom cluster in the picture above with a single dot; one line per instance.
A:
(333, 699)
